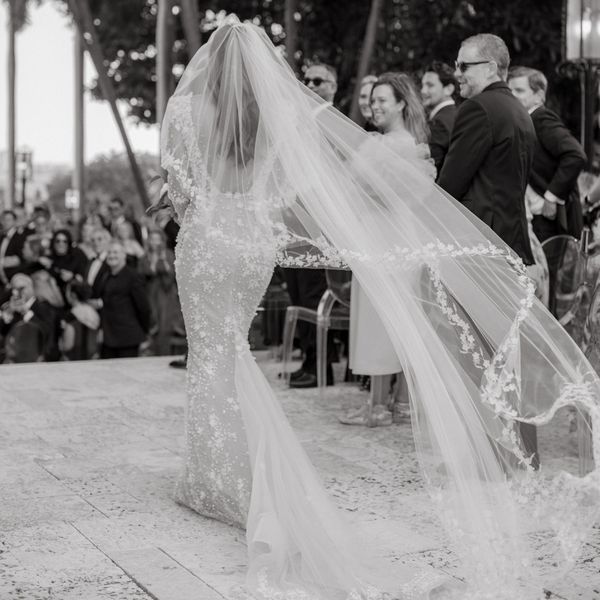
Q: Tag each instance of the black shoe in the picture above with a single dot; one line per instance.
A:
(179, 363)
(308, 380)
(297, 374)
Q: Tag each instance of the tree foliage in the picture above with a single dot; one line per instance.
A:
(411, 33)
(106, 176)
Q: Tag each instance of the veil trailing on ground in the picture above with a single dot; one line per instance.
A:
(486, 364)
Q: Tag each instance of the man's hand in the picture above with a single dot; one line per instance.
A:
(549, 210)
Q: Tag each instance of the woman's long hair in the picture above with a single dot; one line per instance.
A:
(413, 113)
(236, 107)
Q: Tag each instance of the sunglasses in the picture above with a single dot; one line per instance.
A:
(61, 241)
(317, 81)
(463, 66)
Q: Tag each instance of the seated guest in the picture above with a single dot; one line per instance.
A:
(133, 249)
(125, 312)
(158, 269)
(28, 326)
(80, 324)
(438, 91)
(558, 159)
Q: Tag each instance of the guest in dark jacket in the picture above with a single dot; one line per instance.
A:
(125, 313)
(65, 261)
(492, 145)
(96, 271)
(438, 90)
(557, 162)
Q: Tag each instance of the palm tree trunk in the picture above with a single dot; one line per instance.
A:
(78, 172)
(164, 44)
(291, 32)
(191, 25)
(12, 125)
(366, 54)
(83, 18)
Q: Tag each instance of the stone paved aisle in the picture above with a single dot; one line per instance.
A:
(88, 457)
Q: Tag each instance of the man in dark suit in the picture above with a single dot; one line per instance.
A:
(125, 312)
(492, 145)
(438, 89)
(28, 326)
(97, 270)
(558, 160)
(307, 286)
(12, 240)
(491, 152)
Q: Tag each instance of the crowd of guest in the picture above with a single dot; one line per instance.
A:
(496, 148)
(106, 288)
(100, 288)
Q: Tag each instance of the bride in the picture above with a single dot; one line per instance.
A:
(261, 171)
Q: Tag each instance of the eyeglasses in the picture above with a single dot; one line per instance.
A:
(463, 66)
(317, 81)
(61, 241)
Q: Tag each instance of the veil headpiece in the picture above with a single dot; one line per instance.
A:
(484, 360)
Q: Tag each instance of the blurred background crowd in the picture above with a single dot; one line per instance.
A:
(102, 287)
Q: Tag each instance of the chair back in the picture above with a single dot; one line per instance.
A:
(339, 284)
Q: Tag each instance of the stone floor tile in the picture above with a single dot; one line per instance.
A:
(163, 577)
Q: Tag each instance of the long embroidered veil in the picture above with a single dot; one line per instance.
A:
(481, 355)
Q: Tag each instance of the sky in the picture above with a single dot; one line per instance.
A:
(45, 95)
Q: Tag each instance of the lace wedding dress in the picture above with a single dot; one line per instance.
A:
(261, 172)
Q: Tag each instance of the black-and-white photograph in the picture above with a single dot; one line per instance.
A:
(300, 300)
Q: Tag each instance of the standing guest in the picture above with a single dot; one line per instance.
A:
(491, 153)
(364, 101)
(86, 230)
(117, 215)
(97, 270)
(12, 240)
(126, 235)
(42, 228)
(492, 145)
(557, 162)
(28, 325)
(307, 286)
(438, 88)
(399, 115)
(125, 312)
(158, 268)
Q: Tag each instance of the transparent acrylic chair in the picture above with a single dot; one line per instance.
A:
(333, 312)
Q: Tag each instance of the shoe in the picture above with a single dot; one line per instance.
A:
(179, 363)
(297, 374)
(380, 416)
(359, 416)
(308, 380)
